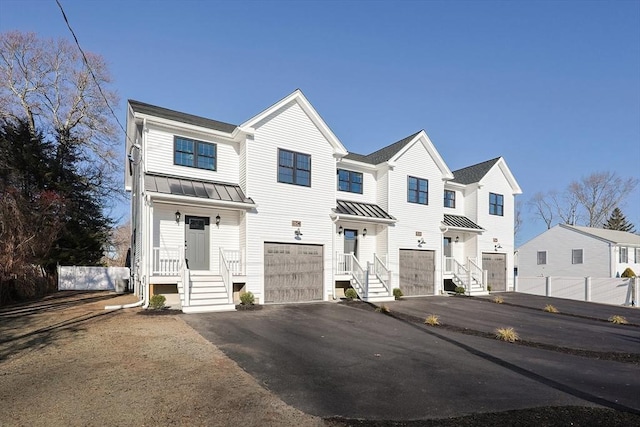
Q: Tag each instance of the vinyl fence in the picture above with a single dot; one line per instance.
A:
(72, 278)
(617, 291)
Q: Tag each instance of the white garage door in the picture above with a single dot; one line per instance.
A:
(292, 273)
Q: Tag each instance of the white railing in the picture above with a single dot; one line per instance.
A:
(382, 273)
(461, 274)
(360, 277)
(234, 259)
(227, 275)
(167, 261)
(476, 273)
(344, 263)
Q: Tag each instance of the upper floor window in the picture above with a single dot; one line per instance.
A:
(195, 154)
(542, 257)
(294, 168)
(576, 256)
(496, 204)
(624, 255)
(418, 190)
(449, 199)
(349, 181)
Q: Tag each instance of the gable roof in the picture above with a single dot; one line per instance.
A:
(613, 236)
(298, 97)
(473, 173)
(384, 154)
(165, 113)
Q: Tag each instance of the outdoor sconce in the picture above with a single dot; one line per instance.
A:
(496, 247)
(364, 232)
(298, 233)
(421, 241)
(178, 215)
(457, 239)
(218, 221)
(340, 230)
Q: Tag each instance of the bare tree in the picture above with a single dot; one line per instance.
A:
(517, 219)
(588, 201)
(49, 84)
(120, 240)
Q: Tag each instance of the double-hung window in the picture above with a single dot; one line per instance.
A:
(417, 190)
(624, 255)
(349, 181)
(496, 204)
(542, 257)
(294, 168)
(449, 199)
(195, 154)
(576, 256)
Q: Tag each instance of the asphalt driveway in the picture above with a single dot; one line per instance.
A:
(330, 359)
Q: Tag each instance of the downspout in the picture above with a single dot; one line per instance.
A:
(333, 256)
(442, 260)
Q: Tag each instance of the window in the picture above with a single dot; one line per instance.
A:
(349, 181)
(542, 257)
(294, 168)
(449, 199)
(624, 257)
(576, 256)
(195, 154)
(418, 190)
(496, 204)
(638, 255)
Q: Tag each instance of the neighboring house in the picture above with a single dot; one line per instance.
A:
(278, 206)
(573, 251)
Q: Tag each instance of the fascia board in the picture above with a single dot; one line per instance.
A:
(197, 201)
(357, 164)
(191, 128)
(362, 219)
(431, 150)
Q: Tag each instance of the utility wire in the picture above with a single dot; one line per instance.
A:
(86, 62)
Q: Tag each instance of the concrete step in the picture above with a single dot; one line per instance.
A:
(209, 308)
(385, 298)
(208, 301)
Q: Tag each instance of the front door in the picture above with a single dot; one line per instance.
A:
(351, 242)
(196, 242)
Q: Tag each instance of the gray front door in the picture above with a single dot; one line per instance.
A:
(196, 242)
(351, 242)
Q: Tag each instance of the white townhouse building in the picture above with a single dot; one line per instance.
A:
(277, 206)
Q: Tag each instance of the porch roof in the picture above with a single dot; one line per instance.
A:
(460, 222)
(210, 190)
(363, 210)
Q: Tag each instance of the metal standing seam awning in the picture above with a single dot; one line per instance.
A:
(362, 212)
(461, 223)
(192, 190)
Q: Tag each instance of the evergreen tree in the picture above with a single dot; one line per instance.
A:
(617, 221)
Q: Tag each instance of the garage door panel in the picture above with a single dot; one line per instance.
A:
(496, 266)
(417, 272)
(293, 273)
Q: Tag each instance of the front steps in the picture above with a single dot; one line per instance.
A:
(377, 291)
(208, 294)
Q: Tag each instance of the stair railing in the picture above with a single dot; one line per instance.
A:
(476, 273)
(360, 277)
(227, 276)
(382, 273)
(185, 276)
(461, 274)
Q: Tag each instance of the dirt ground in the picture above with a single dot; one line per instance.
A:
(65, 360)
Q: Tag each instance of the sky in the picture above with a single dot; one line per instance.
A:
(552, 86)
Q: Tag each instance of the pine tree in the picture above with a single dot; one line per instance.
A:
(617, 221)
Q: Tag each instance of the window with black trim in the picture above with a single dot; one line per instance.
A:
(349, 181)
(542, 257)
(449, 199)
(496, 204)
(294, 168)
(576, 256)
(417, 190)
(193, 153)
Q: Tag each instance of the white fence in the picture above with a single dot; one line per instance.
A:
(72, 278)
(617, 291)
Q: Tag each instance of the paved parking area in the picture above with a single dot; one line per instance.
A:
(331, 359)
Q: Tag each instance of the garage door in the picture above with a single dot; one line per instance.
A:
(417, 272)
(496, 266)
(292, 273)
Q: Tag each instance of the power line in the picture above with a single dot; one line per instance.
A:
(86, 62)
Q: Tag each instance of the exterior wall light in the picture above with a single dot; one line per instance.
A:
(364, 232)
(178, 215)
(496, 247)
(457, 239)
(218, 221)
(340, 230)
(298, 233)
(421, 242)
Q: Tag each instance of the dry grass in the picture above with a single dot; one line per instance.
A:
(432, 320)
(498, 299)
(550, 309)
(507, 334)
(618, 320)
(383, 309)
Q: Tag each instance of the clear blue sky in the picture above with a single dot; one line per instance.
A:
(553, 86)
